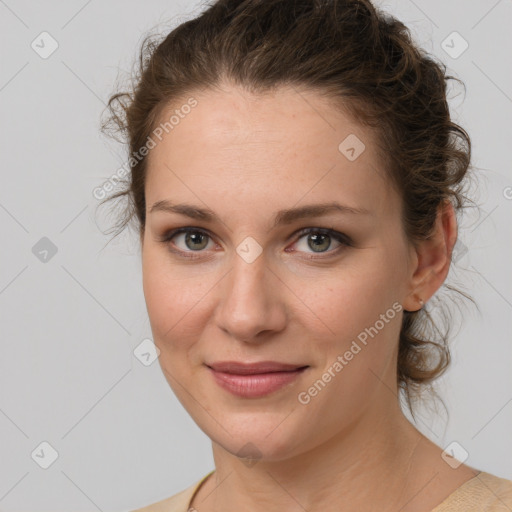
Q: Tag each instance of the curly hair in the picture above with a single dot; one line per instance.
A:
(354, 54)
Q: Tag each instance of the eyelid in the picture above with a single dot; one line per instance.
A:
(169, 235)
(340, 237)
(337, 235)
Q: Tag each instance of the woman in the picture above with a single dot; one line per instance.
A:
(295, 177)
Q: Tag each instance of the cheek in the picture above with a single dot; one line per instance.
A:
(168, 299)
(356, 299)
(171, 300)
(363, 314)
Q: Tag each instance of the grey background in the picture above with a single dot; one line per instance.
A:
(69, 325)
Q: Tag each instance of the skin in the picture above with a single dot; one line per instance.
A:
(350, 447)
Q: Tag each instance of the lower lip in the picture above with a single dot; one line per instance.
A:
(255, 386)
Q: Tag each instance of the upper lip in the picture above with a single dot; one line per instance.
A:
(238, 368)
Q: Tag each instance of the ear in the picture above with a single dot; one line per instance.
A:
(432, 258)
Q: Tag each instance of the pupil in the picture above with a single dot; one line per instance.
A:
(193, 237)
(316, 245)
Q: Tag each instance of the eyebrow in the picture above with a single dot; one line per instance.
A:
(286, 216)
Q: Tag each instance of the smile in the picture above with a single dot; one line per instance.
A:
(255, 385)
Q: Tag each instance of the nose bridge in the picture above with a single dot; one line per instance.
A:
(249, 301)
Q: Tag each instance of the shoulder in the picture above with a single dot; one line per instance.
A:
(177, 503)
(483, 493)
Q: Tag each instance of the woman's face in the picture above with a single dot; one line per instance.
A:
(249, 285)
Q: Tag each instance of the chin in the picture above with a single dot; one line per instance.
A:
(270, 442)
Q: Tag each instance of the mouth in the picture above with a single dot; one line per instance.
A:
(254, 380)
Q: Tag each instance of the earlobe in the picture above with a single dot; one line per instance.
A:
(416, 303)
(433, 258)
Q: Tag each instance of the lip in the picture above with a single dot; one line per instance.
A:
(254, 380)
(238, 368)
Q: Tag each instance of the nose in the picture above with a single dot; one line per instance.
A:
(251, 303)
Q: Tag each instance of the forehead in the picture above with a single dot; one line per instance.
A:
(291, 139)
(287, 115)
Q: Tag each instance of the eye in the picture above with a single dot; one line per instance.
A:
(319, 240)
(194, 240)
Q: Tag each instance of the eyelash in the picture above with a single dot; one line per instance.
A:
(339, 237)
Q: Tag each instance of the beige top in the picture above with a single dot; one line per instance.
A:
(482, 493)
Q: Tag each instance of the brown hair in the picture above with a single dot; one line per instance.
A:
(360, 58)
